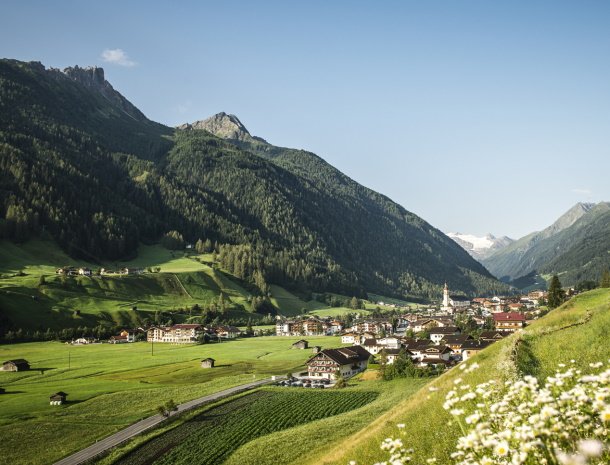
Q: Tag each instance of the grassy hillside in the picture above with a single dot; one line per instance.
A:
(120, 384)
(184, 280)
(575, 331)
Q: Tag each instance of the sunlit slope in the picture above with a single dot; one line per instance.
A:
(576, 331)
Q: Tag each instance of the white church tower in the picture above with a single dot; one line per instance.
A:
(446, 304)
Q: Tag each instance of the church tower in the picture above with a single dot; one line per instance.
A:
(446, 297)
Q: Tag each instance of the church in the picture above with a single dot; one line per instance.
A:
(452, 303)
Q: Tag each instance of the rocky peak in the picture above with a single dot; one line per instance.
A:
(224, 126)
(93, 78)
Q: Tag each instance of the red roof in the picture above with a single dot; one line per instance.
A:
(512, 316)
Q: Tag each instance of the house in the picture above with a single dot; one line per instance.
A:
(81, 341)
(302, 344)
(316, 349)
(335, 327)
(132, 270)
(18, 364)
(349, 338)
(58, 398)
(434, 354)
(84, 271)
(177, 334)
(207, 363)
(392, 354)
(508, 322)
(227, 332)
(438, 333)
(372, 346)
(123, 338)
(471, 348)
(347, 361)
(455, 342)
(492, 336)
(423, 325)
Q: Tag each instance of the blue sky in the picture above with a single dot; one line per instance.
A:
(478, 116)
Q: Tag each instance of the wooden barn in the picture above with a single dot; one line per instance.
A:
(302, 344)
(58, 398)
(18, 364)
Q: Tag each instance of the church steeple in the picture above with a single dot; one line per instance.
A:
(446, 297)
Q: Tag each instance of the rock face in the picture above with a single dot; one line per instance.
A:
(224, 126)
(92, 77)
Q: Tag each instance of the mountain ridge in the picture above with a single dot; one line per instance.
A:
(584, 227)
(276, 215)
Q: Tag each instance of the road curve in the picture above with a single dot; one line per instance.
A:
(141, 426)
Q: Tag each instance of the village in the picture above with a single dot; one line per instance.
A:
(434, 338)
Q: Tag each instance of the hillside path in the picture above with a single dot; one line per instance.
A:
(147, 423)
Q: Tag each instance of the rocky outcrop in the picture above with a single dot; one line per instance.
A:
(93, 78)
(224, 126)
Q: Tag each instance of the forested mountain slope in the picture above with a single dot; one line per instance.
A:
(576, 247)
(81, 164)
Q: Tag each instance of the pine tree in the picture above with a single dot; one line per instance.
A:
(605, 281)
(556, 295)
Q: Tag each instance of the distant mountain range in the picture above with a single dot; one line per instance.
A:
(82, 165)
(480, 247)
(576, 247)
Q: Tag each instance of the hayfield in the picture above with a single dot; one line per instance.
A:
(112, 386)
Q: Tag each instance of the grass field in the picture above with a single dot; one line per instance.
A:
(120, 384)
(577, 331)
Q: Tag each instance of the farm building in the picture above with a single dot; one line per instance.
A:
(302, 344)
(207, 363)
(316, 349)
(18, 364)
(58, 398)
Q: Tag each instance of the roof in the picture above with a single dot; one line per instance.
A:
(434, 361)
(475, 345)
(511, 316)
(456, 339)
(298, 342)
(17, 361)
(444, 330)
(344, 355)
(208, 359)
(491, 335)
(370, 342)
(459, 298)
(187, 326)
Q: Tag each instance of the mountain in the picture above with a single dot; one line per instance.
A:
(480, 247)
(81, 165)
(576, 247)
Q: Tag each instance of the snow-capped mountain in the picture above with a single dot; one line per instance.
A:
(480, 247)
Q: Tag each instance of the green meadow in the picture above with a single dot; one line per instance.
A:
(112, 386)
(34, 297)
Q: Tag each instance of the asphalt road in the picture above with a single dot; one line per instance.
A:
(137, 428)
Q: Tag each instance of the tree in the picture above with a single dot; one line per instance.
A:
(340, 382)
(605, 281)
(354, 304)
(167, 408)
(556, 295)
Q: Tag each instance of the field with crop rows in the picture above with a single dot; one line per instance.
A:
(212, 436)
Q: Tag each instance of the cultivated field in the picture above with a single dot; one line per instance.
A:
(213, 435)
(112, 386)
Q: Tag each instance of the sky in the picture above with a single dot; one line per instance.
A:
(479, 116)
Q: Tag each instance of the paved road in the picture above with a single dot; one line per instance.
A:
(137, 428)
